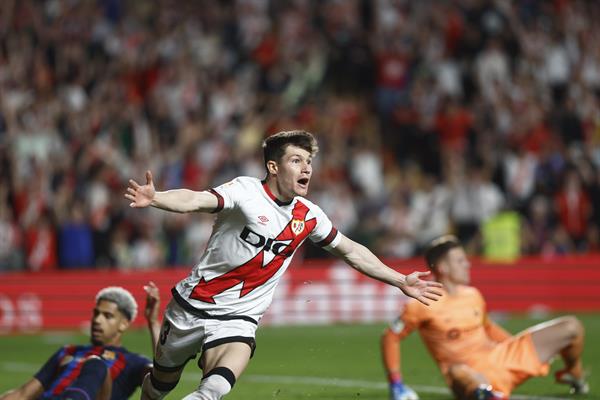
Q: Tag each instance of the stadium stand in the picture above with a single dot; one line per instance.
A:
(436, 117)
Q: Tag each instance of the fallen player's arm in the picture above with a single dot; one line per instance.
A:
(30, 390)
(391, 356)
(151, 313)
(390, 352)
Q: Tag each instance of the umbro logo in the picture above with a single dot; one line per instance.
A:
(263, 220)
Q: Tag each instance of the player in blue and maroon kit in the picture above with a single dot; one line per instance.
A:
(102, 369)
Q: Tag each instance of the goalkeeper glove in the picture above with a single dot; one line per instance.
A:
(485, 392)
(400, 391)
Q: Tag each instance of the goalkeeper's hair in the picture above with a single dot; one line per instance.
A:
(439, 248)
(124, 300)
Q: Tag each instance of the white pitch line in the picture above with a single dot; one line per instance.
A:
(291, 380)
(310, 380)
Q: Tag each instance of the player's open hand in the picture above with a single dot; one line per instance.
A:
(152, 302)
(422, 290)
(141, 196)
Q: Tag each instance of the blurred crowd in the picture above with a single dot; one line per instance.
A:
(432, 117)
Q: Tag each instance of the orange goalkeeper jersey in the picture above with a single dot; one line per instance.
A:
(453, 328)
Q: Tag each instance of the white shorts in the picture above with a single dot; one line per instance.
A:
(183, 335)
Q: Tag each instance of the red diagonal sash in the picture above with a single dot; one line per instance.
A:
(252, 273)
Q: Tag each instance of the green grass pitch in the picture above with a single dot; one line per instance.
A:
(310, 362)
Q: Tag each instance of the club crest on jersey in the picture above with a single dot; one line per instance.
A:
(297, 226)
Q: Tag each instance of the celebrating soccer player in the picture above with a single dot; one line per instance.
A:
(478, 358)
(259, 226)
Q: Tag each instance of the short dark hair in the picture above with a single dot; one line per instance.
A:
(439, 248)
(274, 146)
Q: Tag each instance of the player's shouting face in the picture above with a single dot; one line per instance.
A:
(292, 171)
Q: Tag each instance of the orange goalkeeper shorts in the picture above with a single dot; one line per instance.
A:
(510, 363)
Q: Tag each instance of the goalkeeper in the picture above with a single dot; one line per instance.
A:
(479, 359)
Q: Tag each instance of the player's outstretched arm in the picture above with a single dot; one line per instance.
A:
(176, 200)
(30, 390)
(151, 312)
(364, 261)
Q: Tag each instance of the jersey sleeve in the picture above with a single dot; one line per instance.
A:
(325, 234)
(47, 373)
(229, 194)
(408, 321)
(141, 365)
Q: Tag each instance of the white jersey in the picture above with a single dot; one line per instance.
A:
(253, 240)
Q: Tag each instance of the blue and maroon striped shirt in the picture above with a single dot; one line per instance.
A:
(126, 369)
